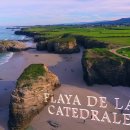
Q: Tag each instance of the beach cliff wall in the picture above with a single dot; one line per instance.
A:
(100, 66)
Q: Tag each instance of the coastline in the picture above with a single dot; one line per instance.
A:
(6, 57)
(69, 70)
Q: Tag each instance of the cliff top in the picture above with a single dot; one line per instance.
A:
(63, 40)
(31, 73)
(101, 53)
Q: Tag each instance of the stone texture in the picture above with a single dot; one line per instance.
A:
(59, 47)
(89, 43)
(103, 67)
(27, 100)
(68, 47)
(12, 46)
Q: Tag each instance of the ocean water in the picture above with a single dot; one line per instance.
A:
(4, 57)
(8, 34)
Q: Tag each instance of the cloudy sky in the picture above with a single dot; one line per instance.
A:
(32, 12)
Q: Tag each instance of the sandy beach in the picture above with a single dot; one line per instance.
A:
(69, 70)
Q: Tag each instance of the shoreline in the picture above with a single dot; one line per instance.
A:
(8, 56)
(69, 70)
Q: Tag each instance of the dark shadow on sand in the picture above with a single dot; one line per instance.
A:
(6, 88)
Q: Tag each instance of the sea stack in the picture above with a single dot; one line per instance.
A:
(27, 100)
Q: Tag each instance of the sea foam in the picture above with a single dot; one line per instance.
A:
(5, 57)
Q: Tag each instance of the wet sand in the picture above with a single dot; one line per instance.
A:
(69, 70)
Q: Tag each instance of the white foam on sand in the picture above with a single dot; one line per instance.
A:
(5, 57)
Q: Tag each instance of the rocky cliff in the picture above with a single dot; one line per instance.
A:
(60, 45)
(100, 66)
(65, 44)
(27, 33)
(12, 46)
(68, 47)
(27, 100)
(36, 36)
(89, 43)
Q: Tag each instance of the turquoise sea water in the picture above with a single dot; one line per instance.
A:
(8, 34)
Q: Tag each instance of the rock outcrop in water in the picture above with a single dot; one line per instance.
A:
(12, 46)
(28, 99)
(100, 66)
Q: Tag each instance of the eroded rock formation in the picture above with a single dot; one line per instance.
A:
(60, 46)
(68, 47)
(12, 46)
(28, 99)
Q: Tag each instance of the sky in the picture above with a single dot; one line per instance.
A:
(44, 12)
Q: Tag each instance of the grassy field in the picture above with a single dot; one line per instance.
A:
(113, 35)
(124, 52)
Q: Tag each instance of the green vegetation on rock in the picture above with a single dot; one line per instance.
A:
(31, 73)
(124, 51)
(100, 53)
(27, 100)
(62, 40)
(100, 66)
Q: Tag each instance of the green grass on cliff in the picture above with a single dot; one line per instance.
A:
(62, 40)
(112, 35)
(124, 52)
(32, 72)
(100, 53)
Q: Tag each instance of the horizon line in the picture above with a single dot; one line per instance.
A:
(66, 23)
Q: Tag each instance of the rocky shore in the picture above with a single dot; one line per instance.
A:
(23, 32)
(27, 100)
(12, 46)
